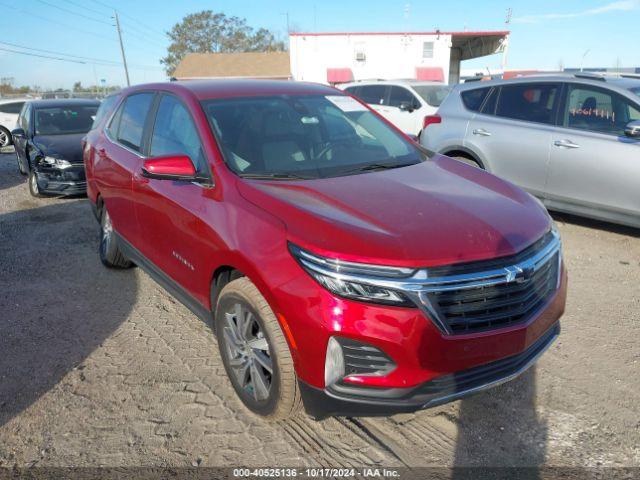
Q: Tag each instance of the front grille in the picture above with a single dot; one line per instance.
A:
(473, 306)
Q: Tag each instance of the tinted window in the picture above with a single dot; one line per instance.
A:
(434, 95)
(132, 119)
(64, 120)
(105, 108)
(598, 110)
(311, 135)
(23, 119)
(373, 94)
(529, 102)
(175, 132)
(489, 107)
(399, 95)
(473, 99)
(353, 90)
(13, 108)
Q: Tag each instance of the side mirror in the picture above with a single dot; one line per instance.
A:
(632, 129)
(406, 107)
(18, 133)
(170, 167)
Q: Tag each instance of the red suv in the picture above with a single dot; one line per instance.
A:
(342, 266)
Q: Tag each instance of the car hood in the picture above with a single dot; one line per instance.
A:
(67, 147)
(437, 212)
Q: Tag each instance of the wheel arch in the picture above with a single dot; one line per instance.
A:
(458, 151)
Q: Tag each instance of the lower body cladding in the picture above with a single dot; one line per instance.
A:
(388, 360)
(61, 181)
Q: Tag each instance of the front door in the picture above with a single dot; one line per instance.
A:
(402, 110)
(594, 166)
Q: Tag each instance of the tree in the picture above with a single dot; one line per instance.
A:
(210, 32)
(77, 87)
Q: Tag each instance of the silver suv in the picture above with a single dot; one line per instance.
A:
(571, 140)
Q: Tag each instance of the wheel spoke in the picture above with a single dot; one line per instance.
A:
(259, 344)
(259, 382)
(231, 340)
(232, 329)
(240, 367)
(263, 360)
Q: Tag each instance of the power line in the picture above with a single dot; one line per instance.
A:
(42, 56)
(84, 6)
(138, 22)
(74, 13)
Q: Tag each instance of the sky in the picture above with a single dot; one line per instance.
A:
(544, 34)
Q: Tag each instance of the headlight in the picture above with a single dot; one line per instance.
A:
(351, 280)
(56, 162)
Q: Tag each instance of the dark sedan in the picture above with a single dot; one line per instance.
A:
(48, 144)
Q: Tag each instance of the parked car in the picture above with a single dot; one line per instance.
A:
(405, 103)
(9, 111)
(571, 140)
(48, 144)
(339, 263)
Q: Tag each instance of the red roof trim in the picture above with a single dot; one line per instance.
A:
(457, 34)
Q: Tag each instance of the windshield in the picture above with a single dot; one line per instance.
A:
(310, 136)
(64, 120)
(434, 95)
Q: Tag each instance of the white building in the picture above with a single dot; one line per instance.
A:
(344, 57)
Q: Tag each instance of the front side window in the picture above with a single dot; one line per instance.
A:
(598, 110)
(64, 120)
(373, 94)
(132, 119)
(174, 132)
(399, 96)
(105, 108)
(310, 136)
(11, 108)
(528, 102)
(434, 95)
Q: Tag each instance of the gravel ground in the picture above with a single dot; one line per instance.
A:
(103, 368)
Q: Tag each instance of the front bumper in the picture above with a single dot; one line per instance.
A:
(55, 181)
(367, 401)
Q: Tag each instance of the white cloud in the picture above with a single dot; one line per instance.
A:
(619, 6)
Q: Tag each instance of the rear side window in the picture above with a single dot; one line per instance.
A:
(105, 108)
(132, 119)
(175, 132)
(528, 102)
(473, 99)
(399, 95)
(13, 108)
(373, 94)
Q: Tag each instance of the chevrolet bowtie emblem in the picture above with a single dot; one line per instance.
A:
(513, 272)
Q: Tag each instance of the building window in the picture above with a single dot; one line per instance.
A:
(427, 50)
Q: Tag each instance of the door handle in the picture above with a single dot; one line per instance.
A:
(481, 132)
(565, 144)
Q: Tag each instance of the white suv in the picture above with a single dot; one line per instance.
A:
(405, 103)
(9, 111)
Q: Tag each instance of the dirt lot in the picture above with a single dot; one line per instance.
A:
(102, 367)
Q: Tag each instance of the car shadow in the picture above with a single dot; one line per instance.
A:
(58, 303)
(595, 224)
(499, 429)
(9, 175)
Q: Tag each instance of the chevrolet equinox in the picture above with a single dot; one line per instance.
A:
(343, 268)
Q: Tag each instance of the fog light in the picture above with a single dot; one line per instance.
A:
(334, 363)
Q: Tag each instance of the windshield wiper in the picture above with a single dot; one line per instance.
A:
(275, 176)
(372, 167)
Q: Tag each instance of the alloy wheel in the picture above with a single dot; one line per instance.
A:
(4, 139)
(34, 183)
(248, 352)
(107, 231)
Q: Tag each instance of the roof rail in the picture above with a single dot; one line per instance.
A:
(590, 76)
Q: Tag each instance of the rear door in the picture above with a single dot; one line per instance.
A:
(170, 213)
(593, 164)
(513, 132)
(374, 96)
(119, 153)
(20, 143)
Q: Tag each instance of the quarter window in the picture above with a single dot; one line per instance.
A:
(598, 110)
(528, 102)
(12, 108)
(132, 119)
(473, 99)
(373, 94)
(174, 132)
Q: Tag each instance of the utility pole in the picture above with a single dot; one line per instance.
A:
(505, 43)
(124, 59)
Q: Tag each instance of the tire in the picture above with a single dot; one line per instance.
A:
(20, 167)
(34, 189)
(262, 344)
(5, 138)
(468, 161)
(110, 254)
